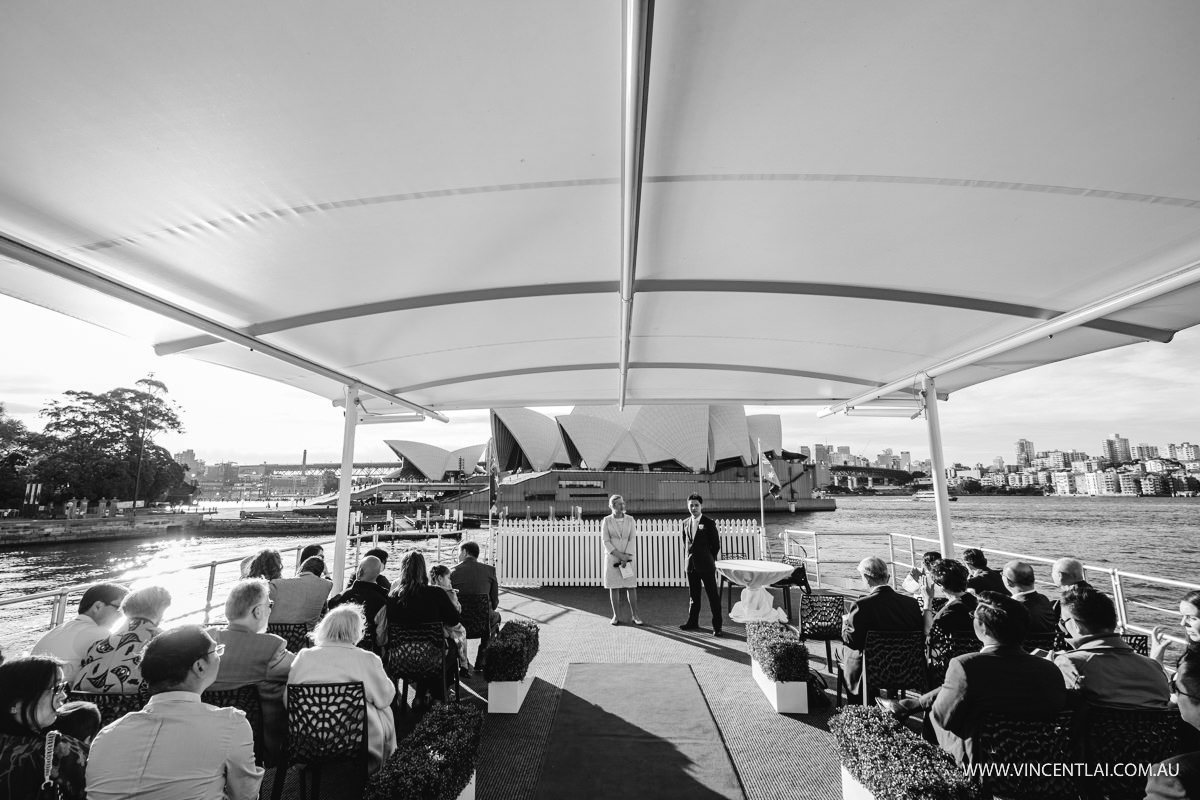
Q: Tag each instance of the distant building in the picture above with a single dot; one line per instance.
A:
(1025, 453)
(1145, 452)
(1116, 450)
(1064, 482)
(1130, 484)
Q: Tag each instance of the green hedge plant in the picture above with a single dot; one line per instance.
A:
(510, 652)
(436, 760)
(778, 650)
(892, 762)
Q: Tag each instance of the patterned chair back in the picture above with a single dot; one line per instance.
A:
(414, 653)
(326, 722)
(476, 614)
(1007, 739)
(294, 633)
(821, 616)
(114, 706)
(1139, 642)
(894, 660)
(1049, 640)
(943, 646)
(1115, 736)
(247, 700)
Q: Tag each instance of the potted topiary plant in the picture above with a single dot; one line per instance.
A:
(779, 664)
(436, 761)
(506, 669)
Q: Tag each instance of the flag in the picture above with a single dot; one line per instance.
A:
(493, 478)
(768, 474)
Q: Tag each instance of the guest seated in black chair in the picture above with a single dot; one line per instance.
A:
(32, 690)
(920, 578)
(882, 609)
(983, 578)
(366, 592)
(1021, 583)
(956, 616)
(1181, 778)
(999, 678)
(338, 659)
(412, 603)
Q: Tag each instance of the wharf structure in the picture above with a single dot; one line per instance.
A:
(653, 456)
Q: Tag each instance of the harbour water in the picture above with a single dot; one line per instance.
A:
(1152, 536)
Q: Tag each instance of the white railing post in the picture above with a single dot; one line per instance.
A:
(1119, 595)
(817, 556)
(892, 555)
(212, 580)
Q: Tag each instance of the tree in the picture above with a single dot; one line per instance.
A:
(971, 486)
(99, 445)
(14, 440)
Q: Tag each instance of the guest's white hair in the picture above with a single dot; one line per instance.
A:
(342, 624)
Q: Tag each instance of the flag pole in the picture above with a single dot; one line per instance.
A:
(762, 513)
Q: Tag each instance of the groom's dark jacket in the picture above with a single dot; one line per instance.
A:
(702, 552)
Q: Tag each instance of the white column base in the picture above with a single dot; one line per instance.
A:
(852, 789)
(790, 697)
(506, 697)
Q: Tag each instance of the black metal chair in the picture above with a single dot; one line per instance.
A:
(821, 620)
(1139, 642)
(725, 583)
(114, 706)
(294, 633)
(1009, 739)
(891, 660)
(1045, 640)
(798, 579)
(477, 619)
(944, 645)
(1113, 736)
(247, 700)
(416, 654)
(327, 722)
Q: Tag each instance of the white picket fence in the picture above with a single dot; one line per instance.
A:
(569, 552)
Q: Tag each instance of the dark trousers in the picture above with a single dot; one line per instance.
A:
(709, 580)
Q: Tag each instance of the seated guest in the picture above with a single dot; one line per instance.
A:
(1102, 670)
(882, 609)
(1067, 572)
(439, 576)
(1181, 778)
(366, 593)
(1021, 584)
(1000, 677)
(176, 746)
(31, 693)
(983, 578)
(470, 576)
(337, 659)
(920, 578)
(113, 665)
(301, 599)
(254, 656)
(412, 603)
(99, 608)
(956, 615)
(382, 580)
(1189, 612)
(267, 564)
(311, 551)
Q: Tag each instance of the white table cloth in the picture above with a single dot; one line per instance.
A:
(756, 603)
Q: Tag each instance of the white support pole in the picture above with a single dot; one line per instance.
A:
(345, 488)
(938, 467)
(762, 512)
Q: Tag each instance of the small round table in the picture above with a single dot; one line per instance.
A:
(756, 603)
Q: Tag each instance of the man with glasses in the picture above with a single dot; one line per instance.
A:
(1186, 782)
(1102, 670)
(99, 608)
(176, 746)
(882, 609)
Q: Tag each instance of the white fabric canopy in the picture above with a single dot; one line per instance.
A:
(425, 199)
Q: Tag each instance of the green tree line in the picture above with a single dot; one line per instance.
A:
(95, 445)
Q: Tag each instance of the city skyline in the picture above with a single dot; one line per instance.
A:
(1146, 392)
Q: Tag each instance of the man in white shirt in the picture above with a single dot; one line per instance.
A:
(176, 746)
(99, 608)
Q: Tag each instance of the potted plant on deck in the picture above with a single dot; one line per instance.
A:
(436, 761)
(506, 669)
(779, 664)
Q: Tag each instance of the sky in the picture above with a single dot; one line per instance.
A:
(1147, 393)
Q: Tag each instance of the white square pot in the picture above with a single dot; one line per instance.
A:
(506, 697)
(468, 793)
(852, 789)
(790, 697)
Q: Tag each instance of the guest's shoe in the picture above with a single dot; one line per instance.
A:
(689, 626)
(464, 673)
(717, 633)
(900, 709)
(614, 621)
(637, 621)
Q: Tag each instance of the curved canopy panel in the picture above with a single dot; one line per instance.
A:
(470, 205)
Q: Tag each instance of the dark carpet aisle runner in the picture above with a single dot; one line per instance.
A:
(635, 730)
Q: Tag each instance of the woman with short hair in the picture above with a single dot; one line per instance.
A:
(617, 532)
(336, 658)
(32, 691)
(113, 664)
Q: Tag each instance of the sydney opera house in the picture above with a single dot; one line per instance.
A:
(654, 456)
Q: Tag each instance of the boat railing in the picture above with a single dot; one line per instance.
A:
(903, 544)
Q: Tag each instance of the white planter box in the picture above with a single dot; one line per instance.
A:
(469, 792)
(790, 697)
(852, 789)
(506, 697)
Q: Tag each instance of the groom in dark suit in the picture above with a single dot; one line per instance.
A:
(703, 544)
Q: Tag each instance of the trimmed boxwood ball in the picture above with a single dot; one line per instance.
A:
(893, 762)
(778, 650)
(510, 652)
(436, 760)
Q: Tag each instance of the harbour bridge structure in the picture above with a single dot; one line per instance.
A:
(624, 203)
